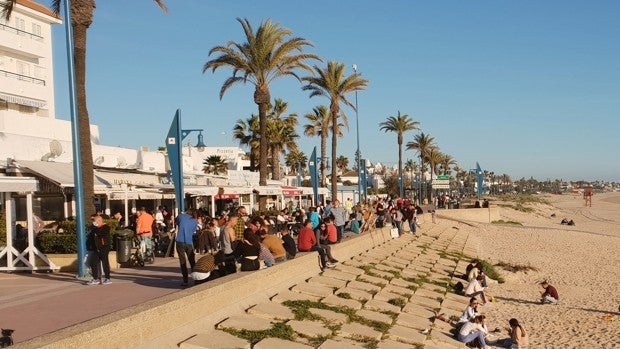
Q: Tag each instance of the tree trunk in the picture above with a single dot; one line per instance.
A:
(82, 14)
(275, 164)
(323, 157)
(401, 191)
(261, 98)
(334, 176)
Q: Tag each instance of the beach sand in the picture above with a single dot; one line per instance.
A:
(581, 261)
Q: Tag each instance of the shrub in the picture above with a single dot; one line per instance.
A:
(2, 228)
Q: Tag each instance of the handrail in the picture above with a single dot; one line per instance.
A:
(22, 77)
(20, 32)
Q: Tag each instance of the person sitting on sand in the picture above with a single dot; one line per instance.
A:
(518, 336)
(571, 222)
(550, 295)
(474, 288)
(471, 311)
(473, 332)
(564, 221)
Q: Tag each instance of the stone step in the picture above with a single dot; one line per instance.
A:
(214, 340)
(272, 311)
(356, 294)
(310, 328)
(406, 335)
(336, 344)
(341, 302)
(288, 295)
(277, 343)
(245, 322)
(375, 316)
(413, 321)
(364, 286)
(313, 289)
(381, 306)
(327, 281)
(354, 330)
(329, 315)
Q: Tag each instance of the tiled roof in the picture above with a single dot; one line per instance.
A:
(33, 5)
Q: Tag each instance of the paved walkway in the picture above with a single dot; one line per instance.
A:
(40, 303)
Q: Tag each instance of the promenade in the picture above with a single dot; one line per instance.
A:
(384, 297)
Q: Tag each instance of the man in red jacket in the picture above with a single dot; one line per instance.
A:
(306, 241)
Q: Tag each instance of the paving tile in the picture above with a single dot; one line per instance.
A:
(272, 310)
(310, 328)
(329, 315)
(413, 321)
(399, 290)
(425, 302)
(247, 322)
(341, 302)
(392, 344)
(288, 295)
(215, 340)
(381, 306)
(382, 274)
(373, 280)
(447, 303)
(336, 274)
(340, 344)
(374, 316)
(356, 294)
(428, 294)
(395, 265)
(419, 310)
(402, 283)
(354, 330)
(386, 296)
(356, 263)
(406, 335)
(399, 260)
(432, 287)
(364, 286)
(277, 343)
(387, 268)
(327, 281)
(313, 289)
(349, 269)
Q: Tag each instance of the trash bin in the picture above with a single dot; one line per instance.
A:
(124, 242)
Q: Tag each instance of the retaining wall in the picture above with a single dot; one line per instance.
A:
(169, 320)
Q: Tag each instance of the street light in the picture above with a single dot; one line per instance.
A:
(358, 153)
(174, 142)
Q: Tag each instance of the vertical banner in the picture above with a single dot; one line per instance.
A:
(313, 179)
(173, 146)
(364, 181)
(479, 180)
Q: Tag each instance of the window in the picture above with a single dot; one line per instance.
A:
(23, 68)
(39, 72)
(20, 23)
(36, 29)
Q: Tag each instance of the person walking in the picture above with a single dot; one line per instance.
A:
(187, 226)
(340, 218)
(99, 241)
(144, 229)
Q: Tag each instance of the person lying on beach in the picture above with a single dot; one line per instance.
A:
(473, 333)
(518, 337)
(550, 295)
(564, 221)
(474, 288)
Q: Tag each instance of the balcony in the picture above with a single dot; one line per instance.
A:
(21, 85)
(23, 42)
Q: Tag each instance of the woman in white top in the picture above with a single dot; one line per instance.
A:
(471, 311)
(474, 330)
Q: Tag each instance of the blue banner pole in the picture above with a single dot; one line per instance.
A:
(75, 145)
(174, 148)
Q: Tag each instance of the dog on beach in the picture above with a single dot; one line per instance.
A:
(6, 340)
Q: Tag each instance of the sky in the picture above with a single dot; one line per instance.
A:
(525, 88)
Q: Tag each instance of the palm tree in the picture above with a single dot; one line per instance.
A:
(294, 159)
(399, 124)
(423, 143)
(82, 13)
(281, 134)
(446, 162)
(343, 163)
(319, 125)
(331, 82)
(215, 164)
(266, 55)
(246, 133)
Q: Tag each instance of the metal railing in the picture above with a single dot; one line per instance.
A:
(20, 32)
(22, 77)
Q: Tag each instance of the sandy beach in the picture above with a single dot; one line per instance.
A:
(581, 261)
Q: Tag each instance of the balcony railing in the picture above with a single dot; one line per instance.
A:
(22, 77)
(20, 32)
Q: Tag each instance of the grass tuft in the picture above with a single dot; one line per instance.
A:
(278, 330)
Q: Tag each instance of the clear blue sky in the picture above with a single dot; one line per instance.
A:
(527, 88)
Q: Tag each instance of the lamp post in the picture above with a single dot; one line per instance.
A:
(174, 144)
(358, 153)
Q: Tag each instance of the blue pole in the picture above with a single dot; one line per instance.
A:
(75, 145)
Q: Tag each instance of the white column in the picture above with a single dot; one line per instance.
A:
(212, 205)
(30, 219)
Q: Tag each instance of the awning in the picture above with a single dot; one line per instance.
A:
(60, 173)
(18, 184)
(29, 102)
(309, 191)
(291, 191)
(129, 178)
(266, 190)
(201, 191)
